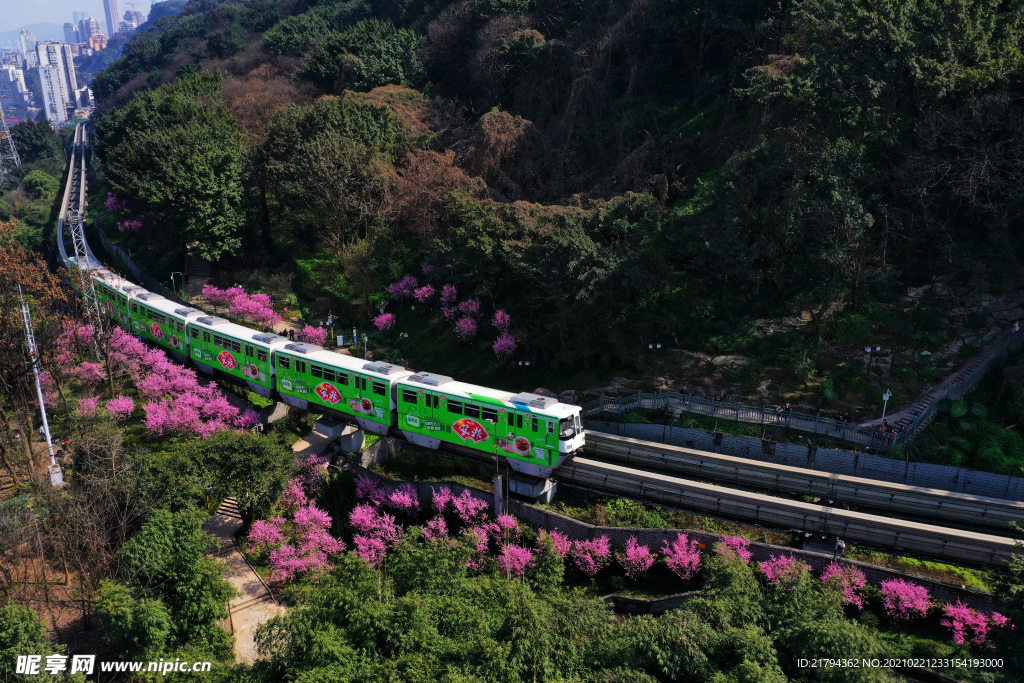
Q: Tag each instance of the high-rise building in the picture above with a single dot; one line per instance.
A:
(79, 16)
(89, 27)
(135, 17)
(55, 95)
(28, 44)
(71, 34)
(98, 42)
(113, 17)
(59, 81)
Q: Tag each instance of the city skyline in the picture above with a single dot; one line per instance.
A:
(18, 15)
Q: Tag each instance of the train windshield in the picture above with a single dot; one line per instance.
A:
(566, 429)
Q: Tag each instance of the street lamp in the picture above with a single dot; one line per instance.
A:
(885, 397)
(523, 364)
(364, 346)
(405, 345)
(178, 273)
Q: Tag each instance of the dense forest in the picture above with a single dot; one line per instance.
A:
(609, 173)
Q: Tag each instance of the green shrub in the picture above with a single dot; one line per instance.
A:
(636, 416)
(903, 374)
(853, 379)
(851, 327)
(929, 375)
(968, 350)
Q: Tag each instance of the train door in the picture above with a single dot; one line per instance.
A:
(409, 409)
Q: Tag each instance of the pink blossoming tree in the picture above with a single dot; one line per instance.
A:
(560, 543)
(682, 556)
(121, 407)
(404, 288)
(849, 581)
(514, 560)
(592, 556)
(384, 322)
(968, 625)
(87, 406)
(504, 346)
(783, 571)
(903, 600)
(465, 329)
(314, 335)
(636, 559)
(734, 545)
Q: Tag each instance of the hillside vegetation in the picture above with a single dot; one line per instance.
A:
(611, 174)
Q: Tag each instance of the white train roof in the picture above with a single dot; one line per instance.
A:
(221, 326)
(534, 403)
(320, 356)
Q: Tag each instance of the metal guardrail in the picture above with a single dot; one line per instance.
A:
(737, 412)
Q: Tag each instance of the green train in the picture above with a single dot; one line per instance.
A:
(535, 434)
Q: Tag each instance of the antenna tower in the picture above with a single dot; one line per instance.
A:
(9, 159)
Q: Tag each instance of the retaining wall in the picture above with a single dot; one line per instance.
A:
(824, 459)
(655, 538)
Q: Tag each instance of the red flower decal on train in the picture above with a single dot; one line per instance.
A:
(227, 360)
(155, 330)
(470, 430)
(328, 392)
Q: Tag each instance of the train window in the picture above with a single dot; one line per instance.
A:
(261, 355)
(378, 388)
(551, 427)
(437, 400)
(455, 407)
(342, 379)
(408, 396)
(162, 319)
(329, 374)
(206, 337)
(180, 326)
(135, 308)
(472, 411)
(316, 371)
(217, 341)
(300, 366)
(535, 421)
(283, 362)
(236, 347)
(195, 333)
(364, 384)
(490, 414)
(519, 420)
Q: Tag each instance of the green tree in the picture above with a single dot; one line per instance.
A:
(41, 185)
(37, 141)
(22, 632)
(370, 54)
(174, 153)
(133, 628)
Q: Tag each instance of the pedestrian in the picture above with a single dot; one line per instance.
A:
(1016, 326)
(849, 417)
(840, 548)
(839, 423)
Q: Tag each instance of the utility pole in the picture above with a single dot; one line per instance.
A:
(56, 476)
(9, 159)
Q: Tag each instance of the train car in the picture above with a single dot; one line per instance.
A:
(111, 292)
(310, 378)
(218, 345)
(162, 321)
(535, 434)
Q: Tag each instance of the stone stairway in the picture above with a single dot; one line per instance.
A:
(905, 417)
(198, 275)
(7, 484)
(229, 508)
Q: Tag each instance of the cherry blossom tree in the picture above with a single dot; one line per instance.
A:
(504, 346)
(384, 322)
(449, 293)
(903, 600)
(514, 560)
(636, 559)
(469, 509)
(121, 407)
(968, 625)
(592, 556)
(87, 406)
(314, 335)
(404, 288)
(560, 543)
(736, 545)
(501, 320)
(424, 293)
(783, 571)
(682, 556)
(465, 329)
(849, 581)
(436, 528)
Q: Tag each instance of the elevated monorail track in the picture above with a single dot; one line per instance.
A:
(932, 506)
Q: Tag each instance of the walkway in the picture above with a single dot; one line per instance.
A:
(256, 604)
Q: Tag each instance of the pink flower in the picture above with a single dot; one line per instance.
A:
(113, 204)
(90, 374)
(286, 562)
(384, 322)
(311, 473)
(373, 550)
(470, 308)
(465, 329)
(264, 535)
(849, 581)
(904, 600)
(504, 346)
(311, 516)
(294, 497)
(424, 293)
(783, 570)
(636, 560)
(560, 543)
(370, 489)
(514, 560)
(129, 226)
(404, 499)
(87, 406)
(369, 521)
(314, 335)
(319, 540)
(247, 420)
(121, 407)
(592, 556)
(501, 320)
(682, 557)
(442, 499)
(479, 538)
(449, 294)
(734, 545)
(427, 269)
(468, 508)
(403, 289)
(435, 529)
(999, 620)
(967, 624)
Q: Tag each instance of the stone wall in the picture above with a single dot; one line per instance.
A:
(825, 459)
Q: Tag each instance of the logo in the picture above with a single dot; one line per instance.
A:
(470, 430)
(412, 420)
(328, 393)
(227, 360)
(155, 330)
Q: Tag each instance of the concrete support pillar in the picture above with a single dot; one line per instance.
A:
(351, 439)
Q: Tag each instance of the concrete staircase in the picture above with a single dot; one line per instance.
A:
(229, 508)
(7, 485)
(198, 275)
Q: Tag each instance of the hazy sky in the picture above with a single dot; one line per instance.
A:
(14, 14)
